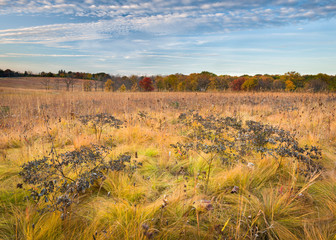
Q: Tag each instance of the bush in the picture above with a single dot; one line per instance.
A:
(99, 122)
(59, 180)
(229, 140)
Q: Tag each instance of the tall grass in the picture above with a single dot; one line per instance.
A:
(169, 197)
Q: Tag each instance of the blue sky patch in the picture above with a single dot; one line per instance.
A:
(163, 37)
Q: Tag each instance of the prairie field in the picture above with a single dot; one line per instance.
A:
(160, 165)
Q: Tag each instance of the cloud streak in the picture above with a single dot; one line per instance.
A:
(227, 11)
(156, 18)
(13, 55)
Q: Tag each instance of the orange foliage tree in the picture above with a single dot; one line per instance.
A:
(146, 84)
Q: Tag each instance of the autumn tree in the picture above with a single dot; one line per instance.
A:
(181, 78)
(223, 82)
(250, 84)
(294, 77)
(181, 86)
(191, 82)
(329, 80)
(218, 82)
(134, 81)
(122, 88)
(160, 83)
(290, 86)
(170, 82)
(109, 85)
(278, 85)
(204, 80)
(88, 76)
(134, 87)
(146, 84)
(236, 85)
(264, 83)
(213, 83)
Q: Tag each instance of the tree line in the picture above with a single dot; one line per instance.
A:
(204, 81)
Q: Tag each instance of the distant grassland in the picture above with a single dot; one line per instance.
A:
(36, 83)
(171, 195)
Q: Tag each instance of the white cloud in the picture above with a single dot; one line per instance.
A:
(225, 4)
(156, 18)
(19, 55)
(99, 8)
(43, 55)
(159, 24)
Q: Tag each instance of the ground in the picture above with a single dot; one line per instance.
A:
(166, 191)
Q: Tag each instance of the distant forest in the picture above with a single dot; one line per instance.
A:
(204, 81)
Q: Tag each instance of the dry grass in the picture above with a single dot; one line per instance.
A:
(273, 202)
(32, 83)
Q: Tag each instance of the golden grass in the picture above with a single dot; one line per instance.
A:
(273, 201)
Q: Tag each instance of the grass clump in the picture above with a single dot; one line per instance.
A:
(234, 170)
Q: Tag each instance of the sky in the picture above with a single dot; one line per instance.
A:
(169, 36)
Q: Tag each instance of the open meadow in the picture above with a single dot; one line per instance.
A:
(160, 165)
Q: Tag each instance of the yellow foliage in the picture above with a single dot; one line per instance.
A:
(290, 85)
(122, 88)
(109, 85)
